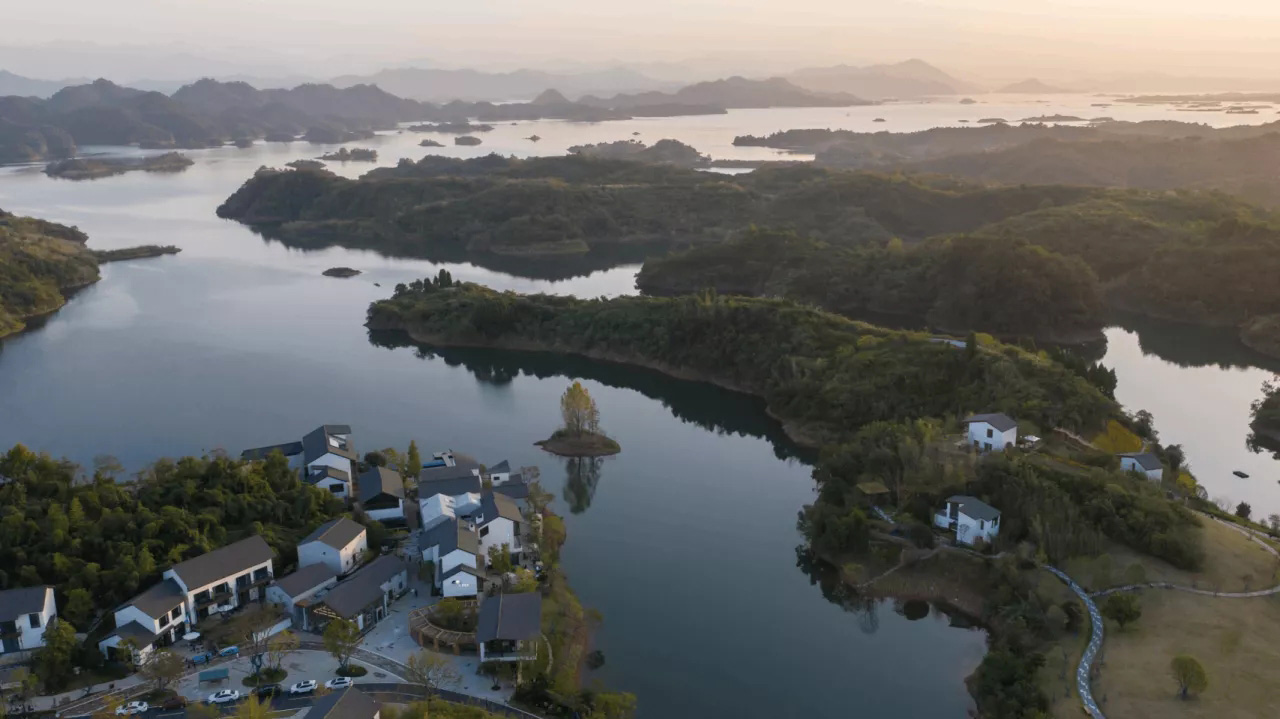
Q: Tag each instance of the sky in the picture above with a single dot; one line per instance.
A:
(991, 38)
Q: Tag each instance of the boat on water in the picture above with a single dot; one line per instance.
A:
(1240, 474)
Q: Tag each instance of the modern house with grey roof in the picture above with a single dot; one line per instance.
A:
(155, 618)
(992, 432)
(331, 479)
(381, 494)
(298, 591)
(509, 627)
(498, 523)
(1144, 463)
(226, 577)
(25, 613)
(449, 546)
(973, 520)
(328, 445)
(338, 544)
(349, 703)
(364, 597)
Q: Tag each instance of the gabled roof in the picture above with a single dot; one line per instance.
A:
(141, 636)
(378, 481)
(451, 535)
(324, 471)
(1146, 460)
(459, 479)
(306, 579)
(510, 616)
(999, 420)
(16, 603)
(515, 488)
(503, 467)
(158, 600)
(974, 507)
(336, 533)
(349, 703)
(364, 587)
(316, 444)
(494, 505)
(223, 562)
(465, 569)
(288, 449)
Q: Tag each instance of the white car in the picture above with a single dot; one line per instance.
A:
(303, 687)
(339, 683)
(132, 708)
(224, 697)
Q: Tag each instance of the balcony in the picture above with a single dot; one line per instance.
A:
(215, 596)
(259, 578)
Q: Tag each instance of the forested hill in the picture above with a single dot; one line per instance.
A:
(1003, 286)
(821, 374)
(39, 262)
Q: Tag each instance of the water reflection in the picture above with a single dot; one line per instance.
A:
(1192, 345)
(582, 474)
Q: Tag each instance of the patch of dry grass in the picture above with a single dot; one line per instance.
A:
(1237, 641)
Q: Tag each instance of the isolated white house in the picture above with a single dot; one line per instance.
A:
(452, 545)
(1144, 463)
(25, 613)
(992, 432)
(970, 518)
(336, 544)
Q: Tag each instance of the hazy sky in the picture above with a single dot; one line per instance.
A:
(991, 37)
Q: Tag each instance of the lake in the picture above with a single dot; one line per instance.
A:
(686, 542)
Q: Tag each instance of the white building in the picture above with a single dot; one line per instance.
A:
(992, 432)
(454, 549)
(298, 591)
(25, 613)
(329, 445)
(381, 495)
(330, 479)
(155, 618)
(498, 523)
(364, 597)
(1144, 463)
(338, 544)
(970, 518)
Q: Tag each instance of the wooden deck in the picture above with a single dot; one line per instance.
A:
(427, 634)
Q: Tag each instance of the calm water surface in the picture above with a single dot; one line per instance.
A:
(685, 542)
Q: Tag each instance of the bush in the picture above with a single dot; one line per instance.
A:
(352, 670)
(920, 535)
(268, 675)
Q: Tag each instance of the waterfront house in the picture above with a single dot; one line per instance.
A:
(292, 452)
(155, 618)
(329, 445)
(509, 627)
(330, 479)
(25, 613)
(298, 591)
(349, 703)
(498, 523)
(453, 548)
(364, 597)
(381, 495)
(970, 518)
(227, 577)
(991, 432)
(338, 544)
(1144, 463)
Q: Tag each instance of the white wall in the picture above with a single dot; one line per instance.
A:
(328, 483)
(396, 512)
(30, 637)
(979, 431)
(233, 600)
(460, 585)
(330, 459)
(497, 533)
(341, 561)
(1129, 464)
(969, 530)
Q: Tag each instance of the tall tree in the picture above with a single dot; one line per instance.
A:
(433, 670)
(341, 639)
(53, 661)
(162, 668)
(281, 646)
(579, 411)
(1189, 675)
(413, 462)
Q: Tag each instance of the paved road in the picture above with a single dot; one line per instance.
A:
(1090, 652)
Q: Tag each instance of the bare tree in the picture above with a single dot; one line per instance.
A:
(162, 667)
(432, 670)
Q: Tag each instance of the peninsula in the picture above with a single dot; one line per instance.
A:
(92, 168)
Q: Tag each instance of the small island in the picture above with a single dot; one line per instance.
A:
(340, 272)
(95, 168)
(453, 128)
(430, 143)
(359, 154)
(466, 140)
(992, 121)
(581, 435)
(305, 165)
(135, 253)
(1053, 118)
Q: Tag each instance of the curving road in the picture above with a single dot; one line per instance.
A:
(1090, 652)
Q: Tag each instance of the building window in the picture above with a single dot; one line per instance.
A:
(337, 488)
(989, 434)
(35, 620)
(484, 531)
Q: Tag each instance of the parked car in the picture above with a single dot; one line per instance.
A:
(339, 683)
(267, 690)
(132, 708)
(225, 696)
(175, 702)
(304, 687)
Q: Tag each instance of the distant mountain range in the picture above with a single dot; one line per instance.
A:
(733, 92)
(11, 84)
(434, 85)
(1032, 86)
(908, 79)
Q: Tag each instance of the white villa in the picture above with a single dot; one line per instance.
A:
(24, 615)
(453, 547)
(325, 456)
(992, 432)
(336, 544)
(1144, 463)
(970, 518)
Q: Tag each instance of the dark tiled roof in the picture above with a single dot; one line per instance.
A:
(141, 636)
(1147, 460)
(349, 703)
(380, 480)
(515, 488)
(975, 507)
(452, 535)
(503, 467)
(223, 562)
(16, 603)
(510, 616)
(463, 568)
(306, 579)
(315, 444)
(364, 587)
(1000, 421)
(326, 472)
(495, 505)
(336, 533)
(288, 449)
(158, 600)
(452, 481)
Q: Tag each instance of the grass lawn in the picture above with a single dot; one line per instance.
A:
(1237, 641)
(1233, 563)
